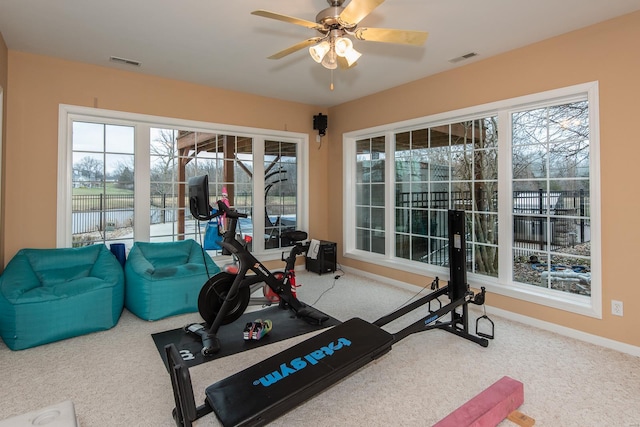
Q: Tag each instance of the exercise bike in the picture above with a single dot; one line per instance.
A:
(225, 296)
(259, 293)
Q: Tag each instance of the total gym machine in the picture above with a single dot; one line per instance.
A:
(268, 389)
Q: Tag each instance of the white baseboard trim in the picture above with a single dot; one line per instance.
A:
(537, 323)
(383, 279)
(568, 332)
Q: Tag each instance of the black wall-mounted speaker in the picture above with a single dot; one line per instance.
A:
(320, 124)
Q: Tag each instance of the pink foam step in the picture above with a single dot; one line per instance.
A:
(489, 407)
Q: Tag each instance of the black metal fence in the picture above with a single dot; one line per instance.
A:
(100, 212)
(98, 202)
(542, 220)
(551, 219)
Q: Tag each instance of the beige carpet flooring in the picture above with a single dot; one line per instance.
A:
(116, 377)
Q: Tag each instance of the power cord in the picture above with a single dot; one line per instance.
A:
(335, 279)
(333, 285)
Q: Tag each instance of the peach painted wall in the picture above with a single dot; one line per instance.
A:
(38, 84)
(607, 52)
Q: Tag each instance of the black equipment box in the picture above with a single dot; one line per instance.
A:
(325, 261)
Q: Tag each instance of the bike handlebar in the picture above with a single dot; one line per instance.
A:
(231, 213)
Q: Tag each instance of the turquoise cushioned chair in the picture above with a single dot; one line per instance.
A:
(48, 295)
(164, 278)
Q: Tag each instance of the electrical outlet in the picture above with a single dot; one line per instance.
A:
(616, 308)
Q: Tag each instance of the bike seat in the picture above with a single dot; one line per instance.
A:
(294, 235)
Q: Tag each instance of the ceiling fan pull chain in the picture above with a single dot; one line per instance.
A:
(331, 86)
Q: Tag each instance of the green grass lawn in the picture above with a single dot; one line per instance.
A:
(110, 189)
(89, 199)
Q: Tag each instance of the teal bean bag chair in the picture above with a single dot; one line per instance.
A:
(49, 295)
(164, 278)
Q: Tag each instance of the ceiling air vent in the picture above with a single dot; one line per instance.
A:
(463, 57)
(124, 61)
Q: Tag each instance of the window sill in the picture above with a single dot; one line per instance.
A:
(578, 304)
(573, 303)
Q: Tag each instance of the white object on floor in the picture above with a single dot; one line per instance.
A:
(62, 414)
(314, 248)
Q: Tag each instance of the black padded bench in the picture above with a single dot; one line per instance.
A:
(263, 392)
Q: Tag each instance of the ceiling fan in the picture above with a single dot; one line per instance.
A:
(332, 48)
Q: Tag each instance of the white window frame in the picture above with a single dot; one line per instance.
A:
(585, 305)
(143, 123)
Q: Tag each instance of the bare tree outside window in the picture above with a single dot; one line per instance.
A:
(444, 167)
(551, 164)
(455, 166)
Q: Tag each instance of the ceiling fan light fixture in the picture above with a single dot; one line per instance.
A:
(330, 60)
(352, 56)
(319, 51)
(343, 45)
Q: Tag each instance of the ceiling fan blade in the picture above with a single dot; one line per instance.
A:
(289, 19)
(295, 47)
(386, 35)
(356, 10)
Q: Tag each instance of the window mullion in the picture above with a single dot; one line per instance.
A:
(65, 172)
(349, 194)
(258, 215)
(505, 208)
(389, 196)
(142, 185)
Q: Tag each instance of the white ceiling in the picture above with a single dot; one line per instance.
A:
(218, 43)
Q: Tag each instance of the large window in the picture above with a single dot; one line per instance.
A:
(524, 171)
(370, 191)
(280, 191)
(102, 183)
(551, 197)
(450, 166)
(176, 156)
(123, 178)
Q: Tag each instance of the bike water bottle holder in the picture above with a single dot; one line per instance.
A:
(269, 294)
